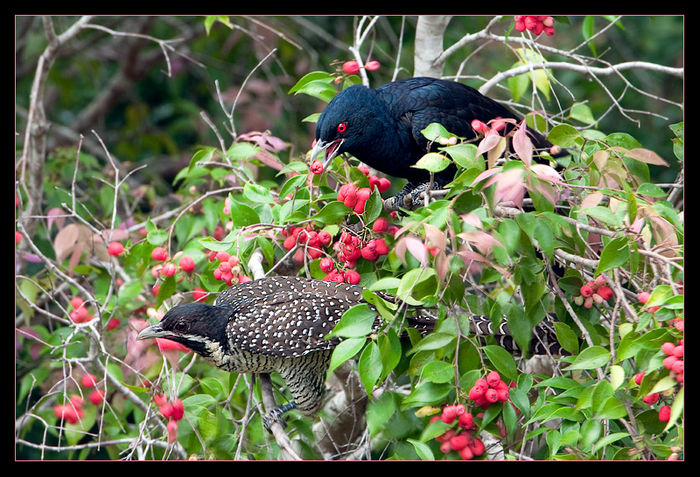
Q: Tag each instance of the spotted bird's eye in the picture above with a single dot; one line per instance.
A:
(180, 326)
(341, 127)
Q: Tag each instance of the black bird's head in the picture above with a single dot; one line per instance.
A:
(352, 122)
(199, 326)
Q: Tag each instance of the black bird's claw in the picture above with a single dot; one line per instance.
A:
(275, 415)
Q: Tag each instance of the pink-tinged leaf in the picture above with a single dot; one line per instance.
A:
(115, 235)
(510, 186)
(435, 237)
(591, 200)
(495, 154)
(417, 248)
(522, 145)
(473, 261)
(484, 242)
(473, 220)
(65, 241)
(645, 155)
(55, 215)
(546, 173)
(664, 235)
(442, 265)
(488, 143)
(486, 174)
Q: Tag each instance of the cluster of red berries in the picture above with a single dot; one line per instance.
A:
(172, 411)
(350, 249)
(228, 270)
(490, 390)
(653, 398)
(535, 23)
(595, 291)
(72, 411)
(674, 359)
(80, 312)
(352, 67)
(460, 439)
(310, 242)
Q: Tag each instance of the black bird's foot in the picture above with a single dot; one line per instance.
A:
(275, 415)
(410, 197)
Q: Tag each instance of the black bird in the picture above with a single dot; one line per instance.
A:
(382, 127)
(279, 324)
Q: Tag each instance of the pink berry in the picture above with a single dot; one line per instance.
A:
(586, 291)
(664, 413)
(186, 263)
(351, 277)
(643, 297)
(351, 67)
(638, 378)
(115, 249)
(458, 442)
(88, 380)
(96, 396)
(651, 399)
(372, 65)
(168, 270)
(493, 378)
(159, 254)
(668, 348)
(316, 167)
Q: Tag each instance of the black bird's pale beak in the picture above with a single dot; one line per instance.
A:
(330, 148)
(155, 331)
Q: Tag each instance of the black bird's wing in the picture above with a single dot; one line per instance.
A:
(417, 102)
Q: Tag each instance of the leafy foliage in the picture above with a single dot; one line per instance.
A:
(471, 250)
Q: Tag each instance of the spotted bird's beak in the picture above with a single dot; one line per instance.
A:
(330, 148)
(154, 331)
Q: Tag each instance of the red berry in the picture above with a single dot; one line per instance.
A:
(586, 291)
(112, 324)
(605, 292)
(172, 430)
(88, 380)
(351, 277)
(160, 399)
(669, 361)
(369, 253)
(364, 169)
(664, 413)
(222, 256)
(326, 265)
(466, 421)
(477, 447)
(643, 297)
(186, 263)
(384, 184)
(668, 348)
(199, 294)
(316, 167)
(372, 65)
(178, 410)
(650, 399)
(638, 378)
(159, 254)
(351, 67)
(493, 378)
(380, 225)
(115, 249)
(458, 442)
(678, 351)
(168, 270)
(449, 414)
(466, 453)
(68, 413)
(76, 401)
(324, 237)
(491, 395)
(678, 367)
(96, 396)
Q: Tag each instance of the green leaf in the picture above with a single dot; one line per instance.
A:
(422, 449)
(370, 366)
(416, 284)
(331, 213)
(590, 358)
(432, 342)
(318, 84)
(582, 112)
(355, 322)
(432, 162)
(614, 255)
(604, 214)
(434, 131)
(345, 350)
(502, 360)
(609, 439)
(243, 215)
(438, 372)
(566, 337)
(564, 135)
(373, 207)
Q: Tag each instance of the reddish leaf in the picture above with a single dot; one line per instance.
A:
(522, 144)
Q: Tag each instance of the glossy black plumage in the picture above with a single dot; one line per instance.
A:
(382, 126)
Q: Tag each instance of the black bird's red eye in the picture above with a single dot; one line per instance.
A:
(341, 127)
